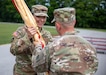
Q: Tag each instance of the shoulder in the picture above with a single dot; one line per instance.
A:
(20, 32)
(54, 45)
(83, 40)
(46, 34)
(22, 28)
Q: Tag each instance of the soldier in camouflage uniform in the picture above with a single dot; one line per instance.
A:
(69, 54)
(22, 44)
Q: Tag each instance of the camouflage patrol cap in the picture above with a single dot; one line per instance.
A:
(64, 15)
(39, 10)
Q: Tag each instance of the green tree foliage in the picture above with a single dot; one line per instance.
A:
(30, 3)
(90, 13)
(8, 13)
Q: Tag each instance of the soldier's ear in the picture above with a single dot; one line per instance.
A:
(57, 24)
(74, 22)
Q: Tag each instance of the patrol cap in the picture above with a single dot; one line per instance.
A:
(64, 15)
(39, 10)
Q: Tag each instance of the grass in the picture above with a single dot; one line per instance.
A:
(52, 30)
(6, 30)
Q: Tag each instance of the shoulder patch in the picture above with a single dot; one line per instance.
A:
(16, 34)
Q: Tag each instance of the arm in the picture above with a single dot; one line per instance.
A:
(39, 59)
(46, 36)
(94, 65)
(91, 60)
(21, 42)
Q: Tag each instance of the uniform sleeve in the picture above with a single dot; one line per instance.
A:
(46, 36)
(39, 59)
(20, 42)
(93, 58)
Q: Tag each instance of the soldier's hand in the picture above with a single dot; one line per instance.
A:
(31, 31)
(37, 43)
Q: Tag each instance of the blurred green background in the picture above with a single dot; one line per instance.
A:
(6, 30)
(89, 13)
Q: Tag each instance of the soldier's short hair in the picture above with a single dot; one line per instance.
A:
(64, 15)
(39, 10)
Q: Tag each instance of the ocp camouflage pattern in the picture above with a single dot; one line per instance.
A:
(22, 47)
(68, 55)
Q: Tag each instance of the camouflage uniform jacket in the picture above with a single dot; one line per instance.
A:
(22, 48)
(69, 54)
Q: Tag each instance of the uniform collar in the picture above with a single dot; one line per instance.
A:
(70, 33)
